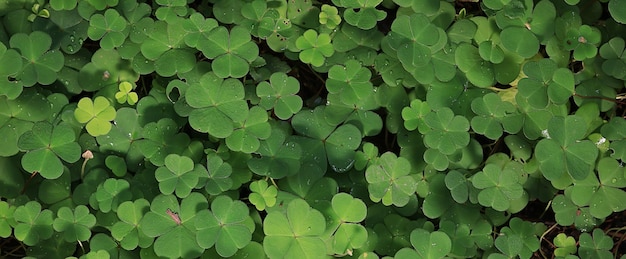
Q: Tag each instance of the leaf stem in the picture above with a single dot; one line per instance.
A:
(543, 237)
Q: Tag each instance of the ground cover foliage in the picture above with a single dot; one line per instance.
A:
(312, 129)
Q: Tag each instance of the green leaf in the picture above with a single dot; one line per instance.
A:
(295, 233)
(389, 180)
(314, 49)
(329, 16)
(563, 153)
(351, 81)
(97, 114)
(566, 245)
(519, 40)
(363, 14)
(278, 157)
(478, 71)
(6, 219)
(518, 238)
(348, 208)
(75, 224)
(232, 51)
(41, 64)
(597, 246)
(224, 226)
(448, 133)
(111, 193)
(179, 174)
(217, 105)
(280, 94)
(262, 195)
(33, 224)
(545, 82)
(246, 138)
(111, 29)
(126, 230)
(491, 111)
(46, 146)
(427, 245)
(161, 139)
(499, 187)
(219, 172)
(617, 9)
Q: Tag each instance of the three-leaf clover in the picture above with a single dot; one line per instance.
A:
(110, 28)
(179, 174)
(126, 94)
(219, 174)
(110, 194)
(97, 114)
(389, 180)
(491, 111)
(10, 65)
(426, 245)
(246, 138)
(295, 233)
(41, 64)
(227, 226)
(280, 94)
(350, 81)
(126, 230)
(33, 224)
(362, 13)
(349, 211)
(46, 146)
(448, 133)
(314, 48)
(545, 83)
(161, 139)
(498, 187)
(583, 41)
(262, 195)
(615, 55)
(566, 245)
(329, 16)
(596, 246)
(232, 51)
(75, 224)
(518, 238)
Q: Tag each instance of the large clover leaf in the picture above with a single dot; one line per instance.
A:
(498, 187)
(295, 233)
(280, 94)
(315, 49)
(563, 152)
(389, 180)
(583, 41)
(164, 46)
(126, 230)
(545, 82)
(46, 145)
(596, 246)
(232, 51)
(33, 224)
(179, 174)
(520, 236)
(350, 81)
(41, 64)
(227, 226)
(349, 211)
(218, 105)
(75, 225)
(97, 114)
(173, 225)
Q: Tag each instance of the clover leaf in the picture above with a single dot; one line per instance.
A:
(583, 41)
(111, 29)
(563, 152)
(218, 104)
(314, 48)
(329, 16)
(125, 94)
(413, 116)
(491, 111)
(33, 224)
(276, 156)
(498, 187)
(111, 193)
(197, 26)
(596, 246)
(518, 239)
(179, 174)
(46, 146)
(448, 133)
(280, 94)
(161, 139)
(613, 52)
(173, 225)
(478, 71)
(41, 64)
(519, 40)
(349, 211)
(75, 224)
(262, 195)
(389, 180)
(225, 226)
(426, 245)
(165, 47)
(545, 82)
(246, 137)
(6, 219)
(10, 66)
(170, 9)
(616, 9)
(362, 13)
(232, 51)
(97, 114)
(126, 230)
(350, 81)
(566, 245)
(295, 233)
(220, 178)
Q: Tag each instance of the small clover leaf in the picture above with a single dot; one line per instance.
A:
(448, 133)
(348, 208)
(427, 245)
(262, 195)
(226, 226)
(111, 193)
(314, 48)
(545, 82)
(389, 180)
(350, 81)
(219, 172)
(295, 233)
(329, 16)
(280, 94)
(217, 104)
(173, 225)
(179, 174)
(111, 29)
(246, 137)
(232, 51)
(458, 185)
(583, 41)
(519, 233)
(499, 187)
(563, 153)
(63, 4)
(126, 94)
(74, 224)
(41, 64)
(170, 9)
(46, 146)
(566, 245)
(597, 246)
(126, 230)
(414, 116)
(33, 224)
(97, 114)
(491, 111)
